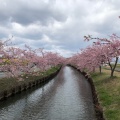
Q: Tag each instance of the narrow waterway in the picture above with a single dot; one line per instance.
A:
(66, 97)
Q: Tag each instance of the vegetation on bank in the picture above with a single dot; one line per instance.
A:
(116, 69)
(108, 90)
(8, 83)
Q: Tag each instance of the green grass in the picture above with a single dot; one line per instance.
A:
(108, 67)
(7, 83)
(108, 90)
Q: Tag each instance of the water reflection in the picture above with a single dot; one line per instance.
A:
(66, 97)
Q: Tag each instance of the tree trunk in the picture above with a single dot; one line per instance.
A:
(100, 69)
(113, 68)
(112, 72)
(93, 69)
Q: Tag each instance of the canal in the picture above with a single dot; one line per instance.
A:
(66, 97)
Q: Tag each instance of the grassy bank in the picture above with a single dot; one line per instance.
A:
(7, 83)
(108, 90)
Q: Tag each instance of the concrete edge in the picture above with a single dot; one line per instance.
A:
(97, 106)
(18, 89)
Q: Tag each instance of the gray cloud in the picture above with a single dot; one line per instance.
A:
(29, 12)
(58, 25)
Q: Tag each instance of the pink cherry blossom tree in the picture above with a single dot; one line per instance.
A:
(15, 61)
(111, 49)
(103, 51)
(54, 59)
(89, 58)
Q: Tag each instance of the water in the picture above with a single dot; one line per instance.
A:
(66, 97)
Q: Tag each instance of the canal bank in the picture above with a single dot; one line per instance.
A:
(108, 89)
(97, 106)
(67, 96)
(17, 87)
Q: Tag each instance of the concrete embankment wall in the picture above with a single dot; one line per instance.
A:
(18, 89)
(98, 108)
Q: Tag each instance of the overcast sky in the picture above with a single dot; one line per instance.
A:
(58, 25)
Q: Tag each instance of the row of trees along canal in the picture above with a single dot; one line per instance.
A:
(102, 51)
(17, 62)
